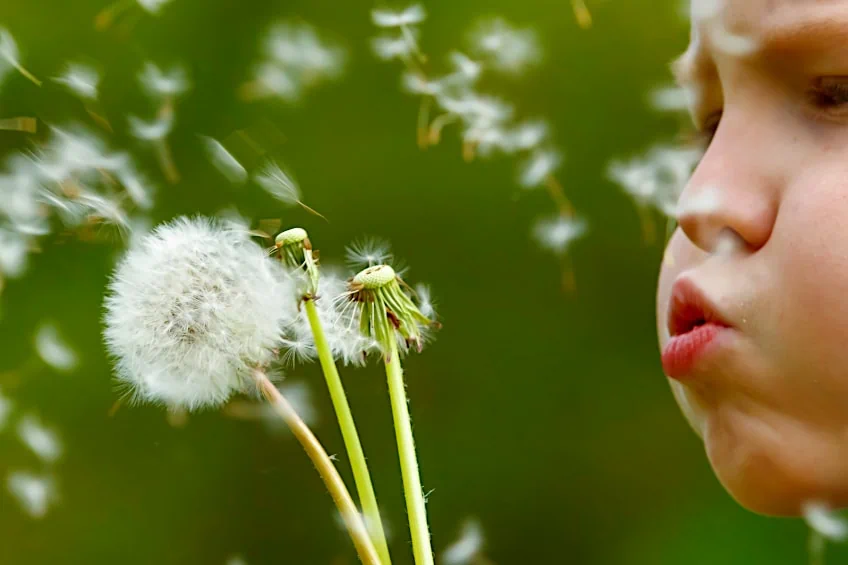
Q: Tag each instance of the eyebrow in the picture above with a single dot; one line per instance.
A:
(784, 32)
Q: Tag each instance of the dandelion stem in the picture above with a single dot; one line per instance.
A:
(332, 479)
(361, 476)
(816, 546)
(415, 504)
(166, 161)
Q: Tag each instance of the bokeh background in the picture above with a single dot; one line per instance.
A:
(542, 414)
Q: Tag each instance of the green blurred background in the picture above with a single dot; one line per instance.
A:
(543, 414)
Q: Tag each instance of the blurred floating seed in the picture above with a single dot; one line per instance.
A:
(34, 493)
(224, 161)
(82, 80)
(465, 549)
(54, 350)
(10, 53)
(41, 440)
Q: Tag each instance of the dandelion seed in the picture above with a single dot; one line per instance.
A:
(137, 187)
(53, 350)
(42, 441)
(467, 70)
(82, 80)
(5, 410)
(191, 310)
(821, 519)
(526, 136)
(557, 235)
(10, 53)
(367, 252)
(505, 48)
(415, 84)
(425, 300)
(390, 47)
(278, 184)
(156, 130)
(34, 493)
(538, 167)
(411, 15)
(467, 547)
(163, 84)
(672, 98)
(14, 250)
(224, 161)
(153, 6)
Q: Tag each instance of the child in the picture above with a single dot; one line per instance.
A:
(753, 294)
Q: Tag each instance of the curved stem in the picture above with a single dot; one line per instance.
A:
(361, 476)
(332, 480)
(415, 508)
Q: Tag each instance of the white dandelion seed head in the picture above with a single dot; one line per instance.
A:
(557, 234)
(409, 16)
(467, 547)
(163, 83)
(224, 161)
(153, 6)
(154, 130)
(278, 183)
(505, 47)
(41, 440)
(34, 493)
(191, 310)
(541, 164)
(824, 521)
(53, 349)
(82, 80)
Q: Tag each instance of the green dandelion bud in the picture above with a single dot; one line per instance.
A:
(385, 308)
(296, 252)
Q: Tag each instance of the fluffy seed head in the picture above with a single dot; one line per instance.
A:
(192, 309)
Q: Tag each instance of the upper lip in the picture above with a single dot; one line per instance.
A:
(689, 308)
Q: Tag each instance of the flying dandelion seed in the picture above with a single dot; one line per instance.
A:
(368, 252)
(42, 441)
(538, 167)
(412, 15)
(153, 7)
(80, 79)
(671, 98)
(557, 234)
(14, 251)
(392, 47)
(155, 130)
(5, 409)
(224, 161)
(11, 55)
(465, 549)
(34, 493)
(53, 350)
(505, 47)
(825, 521)
(163, 83)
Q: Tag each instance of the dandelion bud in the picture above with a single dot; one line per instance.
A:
(192, 310)
(296, 252)
(384, 308)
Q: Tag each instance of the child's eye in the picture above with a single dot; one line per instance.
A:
(830, 93)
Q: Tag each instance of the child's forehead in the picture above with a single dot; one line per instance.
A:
(773, 26)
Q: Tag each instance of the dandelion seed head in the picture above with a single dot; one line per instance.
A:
(34, 493)
(82, 80)
(467, 547)
(557, 234)
(409, 16)
(821, 519)
(42, 441)
(53, 349)
(191, 310)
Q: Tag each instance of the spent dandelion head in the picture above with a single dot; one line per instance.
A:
(192, 310)
(385, 310)
(296, 253)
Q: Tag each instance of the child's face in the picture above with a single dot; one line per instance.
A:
(765, 382)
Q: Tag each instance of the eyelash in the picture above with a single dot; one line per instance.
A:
(828, 96)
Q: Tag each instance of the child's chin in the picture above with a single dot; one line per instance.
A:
(774, 476)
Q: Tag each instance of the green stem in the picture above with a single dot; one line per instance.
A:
(361, 476)
(816, 547)
(332, 480)
(415, 508)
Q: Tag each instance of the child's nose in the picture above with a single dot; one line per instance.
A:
(734, 189)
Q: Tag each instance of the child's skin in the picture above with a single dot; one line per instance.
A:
(769, 395)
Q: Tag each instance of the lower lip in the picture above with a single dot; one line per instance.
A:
(683, 351)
